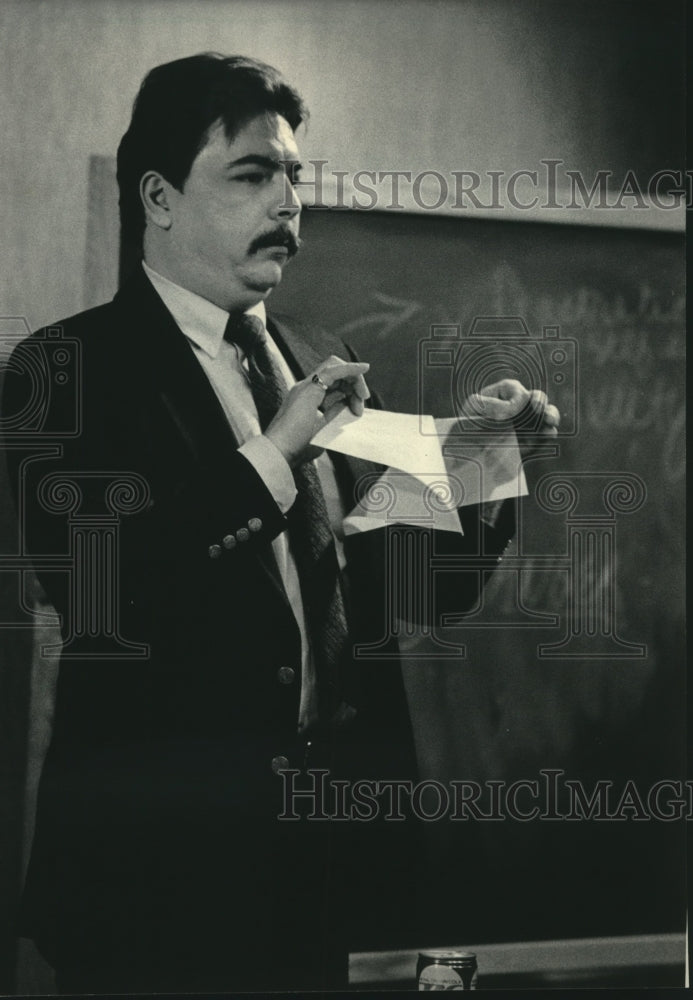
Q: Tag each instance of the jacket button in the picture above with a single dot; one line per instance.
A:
(214, 551)
(255, 524)
(286, 675)
(279, 764)
(228, 541)
(242, 535)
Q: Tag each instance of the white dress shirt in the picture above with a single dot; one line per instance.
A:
(203, 323)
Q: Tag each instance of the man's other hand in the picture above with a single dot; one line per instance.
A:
(529, 411)
(314, 401)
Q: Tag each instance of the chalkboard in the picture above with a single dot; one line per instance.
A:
(604, 309)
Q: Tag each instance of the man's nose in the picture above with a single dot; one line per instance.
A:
(289, 204)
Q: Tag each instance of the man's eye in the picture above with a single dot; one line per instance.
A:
(254, 177)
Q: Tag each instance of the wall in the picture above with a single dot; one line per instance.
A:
(478, 85)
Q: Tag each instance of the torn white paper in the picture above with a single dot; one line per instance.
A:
(486, 471)
(424, 485)
(405, 441)
(399, 498)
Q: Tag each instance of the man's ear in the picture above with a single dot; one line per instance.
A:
(154, 191)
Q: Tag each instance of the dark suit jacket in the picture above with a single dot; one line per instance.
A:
(158, 790)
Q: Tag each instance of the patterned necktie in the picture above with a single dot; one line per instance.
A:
(309, 530)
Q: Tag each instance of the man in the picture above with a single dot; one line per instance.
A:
(159, 863)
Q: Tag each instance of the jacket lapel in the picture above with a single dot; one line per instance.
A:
(300, 353)
(304, 355)
(180, 383)
(170, 367)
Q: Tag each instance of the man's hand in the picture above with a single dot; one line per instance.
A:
(533, 417)
(313, 402)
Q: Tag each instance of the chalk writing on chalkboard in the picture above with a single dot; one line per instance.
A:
(631, 395)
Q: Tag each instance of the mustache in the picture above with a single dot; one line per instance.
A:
(279, 237)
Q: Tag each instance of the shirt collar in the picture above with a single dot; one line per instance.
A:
(200, 320)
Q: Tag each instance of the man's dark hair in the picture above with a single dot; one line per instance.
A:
(172, 114)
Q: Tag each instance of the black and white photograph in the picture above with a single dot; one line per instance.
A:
(342, 491)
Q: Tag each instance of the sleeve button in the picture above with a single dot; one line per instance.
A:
(242, 535)
(214, 551)
(279, 764)
(255, 524)
(228, 541)
(286, 675)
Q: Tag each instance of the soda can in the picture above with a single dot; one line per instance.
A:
(446, 970)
